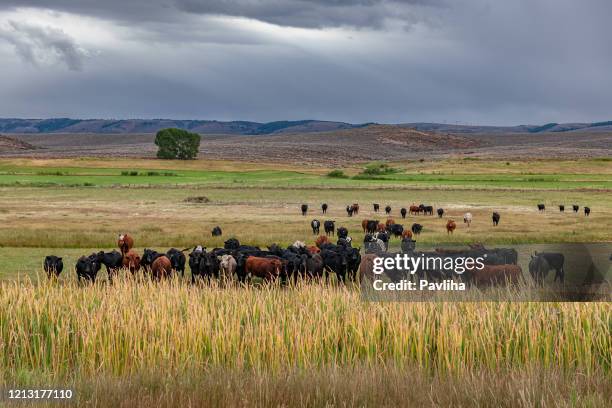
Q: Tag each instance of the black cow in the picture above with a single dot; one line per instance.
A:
(113, 262)
(148, 256)
(388, 209)
(335, 260)
(371, 226)
(324, 208)
(195, 257)
(353, 261)
(561, 208)
(209, 265)
(304, 209)
(440, 212)
(587, 211)
(538, 268)
(541, 207)
(314, 265)
(427, 210)
(231, 244)
(216, 232)
(53, 265)
(575, 208)
(416, 229)
(329, 227)
(376, 207)
(403, 212)
(177, 260)
(342, 232)
(555, 261)
(349, 210)
(87, 267)
(495, 217)
(316, 226)
(396, 229)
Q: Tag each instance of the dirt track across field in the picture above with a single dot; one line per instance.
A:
(377, 142)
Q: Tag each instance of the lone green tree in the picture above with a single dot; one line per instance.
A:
(175, 143)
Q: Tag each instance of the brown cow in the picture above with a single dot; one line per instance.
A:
(415, 209)
(161, 267)
(321, 240)
(366, 267)
(390, 221)
(313, 249)
(131, 261)
(406, 234)
(450, 226)
(381, 227)
(496, 275)
(125, 243)
(364, 225)
(265, 268)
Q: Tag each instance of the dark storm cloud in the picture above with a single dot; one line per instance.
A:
(35, 44)
(296, 13)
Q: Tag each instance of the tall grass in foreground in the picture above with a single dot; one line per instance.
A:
(64, 330)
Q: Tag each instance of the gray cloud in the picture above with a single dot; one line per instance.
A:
(38, 44)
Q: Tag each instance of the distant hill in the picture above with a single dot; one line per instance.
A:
(109, 126)
(66, 125)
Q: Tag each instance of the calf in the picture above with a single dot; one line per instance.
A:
(324, 208)
(265, 268)
(113, 262)
(495, 275)
(416, 229)
(376, 207)
(316, 226)
(403, 212)
(329, 227)
(53, 265)
(440, 212)
(495, 217)
(125, 243)
(450, 226)
(177, 260)
(304, 209)
(541, 207)
(216, 232)
(388, 209)
(131, 261)
(587, 211)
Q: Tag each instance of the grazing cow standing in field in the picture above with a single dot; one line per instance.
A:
(265, 268)
(125, 243)
(416, 229)
(575, 208)
(329, 227)
(349, 210)
(396, 230)
(324, 208)
(131, 261)
(555, 261)
(495, 275)
(304, 209)
(355, 208)
(450, 226)
(415, 210)
(440, 212)
(321, 240)
(427, 210)
(53, 265)
(364, 225)
(538, 268)
(403, 212)
(587, 211)
(371, 226)
(227, 267)
(216, 232)
(194, 261)
(561, 208)
(316, 226)
(541, 207)
(376, 207)
(113, 262)
(495, 217)
(161, 267)
(388, 209)
(467, 219)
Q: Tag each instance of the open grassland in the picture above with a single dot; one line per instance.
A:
(102, 337)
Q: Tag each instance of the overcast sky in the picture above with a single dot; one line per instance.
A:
(472, 61)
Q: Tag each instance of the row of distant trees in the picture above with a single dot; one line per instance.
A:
(175, 143)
